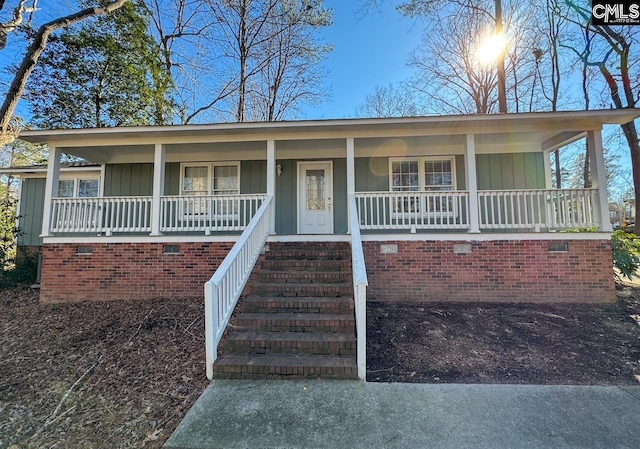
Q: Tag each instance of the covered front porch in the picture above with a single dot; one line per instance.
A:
(420, 179)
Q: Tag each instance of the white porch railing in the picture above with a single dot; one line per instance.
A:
(360, 283)
(536, 209)
(208, 213)
(222, 291)
(96, 215)
(413, 210)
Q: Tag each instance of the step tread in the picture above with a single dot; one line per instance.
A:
(303, 284)
(298, 299)
(292, 336)
(334, 361)
(295, 316)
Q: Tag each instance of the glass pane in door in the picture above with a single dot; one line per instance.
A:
(315, 190)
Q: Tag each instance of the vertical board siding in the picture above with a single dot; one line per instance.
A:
(510, 171)
(31, 211)
(287, 198)
(137, 179)
(172, 178)
(253, 177)
(128, 180)
(372, 174)
(340, 214)
(461, 174)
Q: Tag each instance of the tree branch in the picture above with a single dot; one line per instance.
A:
(30, 60)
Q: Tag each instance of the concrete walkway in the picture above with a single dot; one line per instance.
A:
(349, 414)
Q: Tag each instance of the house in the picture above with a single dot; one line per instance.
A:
(449, 208)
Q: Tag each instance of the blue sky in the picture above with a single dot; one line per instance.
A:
(368, 50)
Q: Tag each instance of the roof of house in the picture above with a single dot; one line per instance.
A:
(42, 168)
(360, 127)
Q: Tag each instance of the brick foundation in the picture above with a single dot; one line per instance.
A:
(503, 271)
(506, 271)
(127, 270)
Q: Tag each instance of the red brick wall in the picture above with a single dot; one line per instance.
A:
(506, 271)
(127, 270)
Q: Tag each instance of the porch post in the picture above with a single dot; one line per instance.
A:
(598, 178)
(158, 187)
(50, 189)
(472, 184)
(546, 155)
(271, 182)
(351, 172)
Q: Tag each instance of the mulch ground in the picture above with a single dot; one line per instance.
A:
(137, 369)
(123, 374)
(506, 343)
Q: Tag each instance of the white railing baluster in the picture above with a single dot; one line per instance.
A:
(93, 215)
(206, 213)
(360, 283)
(404, 210)
(222, 291)
(540, 208)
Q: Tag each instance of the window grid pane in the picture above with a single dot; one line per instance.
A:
(195, 180)
(225, 180)
(438, 175)
(405, 176)
(66, 188)
(88, 188)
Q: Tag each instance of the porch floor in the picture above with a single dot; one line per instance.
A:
(316, 414)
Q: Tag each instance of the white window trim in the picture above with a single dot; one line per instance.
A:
(184, 214)
(210, 169)
(76, 182)
(422, 188)
(421, 172)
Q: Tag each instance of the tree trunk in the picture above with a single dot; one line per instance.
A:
(30, 60)
(502, 78)
(242, 49)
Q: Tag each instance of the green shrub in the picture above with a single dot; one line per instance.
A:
(13, 274)
(626, 253)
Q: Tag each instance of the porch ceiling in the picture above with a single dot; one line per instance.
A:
(136, 143)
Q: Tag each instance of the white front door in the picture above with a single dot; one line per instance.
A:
(315, 197)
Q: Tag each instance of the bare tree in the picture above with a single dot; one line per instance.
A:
(183, 30)
(30, 59)
(262, 41)
(291, 73)
(389, 101)
(611, 55)
(448, 72)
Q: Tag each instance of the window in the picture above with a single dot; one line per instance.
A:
(211, 180)
(66, 188)
(78, 188)
(225, 180)
(431, 174)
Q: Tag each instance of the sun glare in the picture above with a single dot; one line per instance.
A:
(491, 48)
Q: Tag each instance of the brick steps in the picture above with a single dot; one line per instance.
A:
(322, 343)
(309, 289)
(308, 254)
(296, 322)
(293, 304)
(304, 277)
(291, 265)
(290, 366)
(299, 321)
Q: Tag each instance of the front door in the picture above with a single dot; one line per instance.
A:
(315, 199)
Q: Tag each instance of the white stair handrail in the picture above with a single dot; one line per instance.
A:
(360, 283)
(222, 291)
